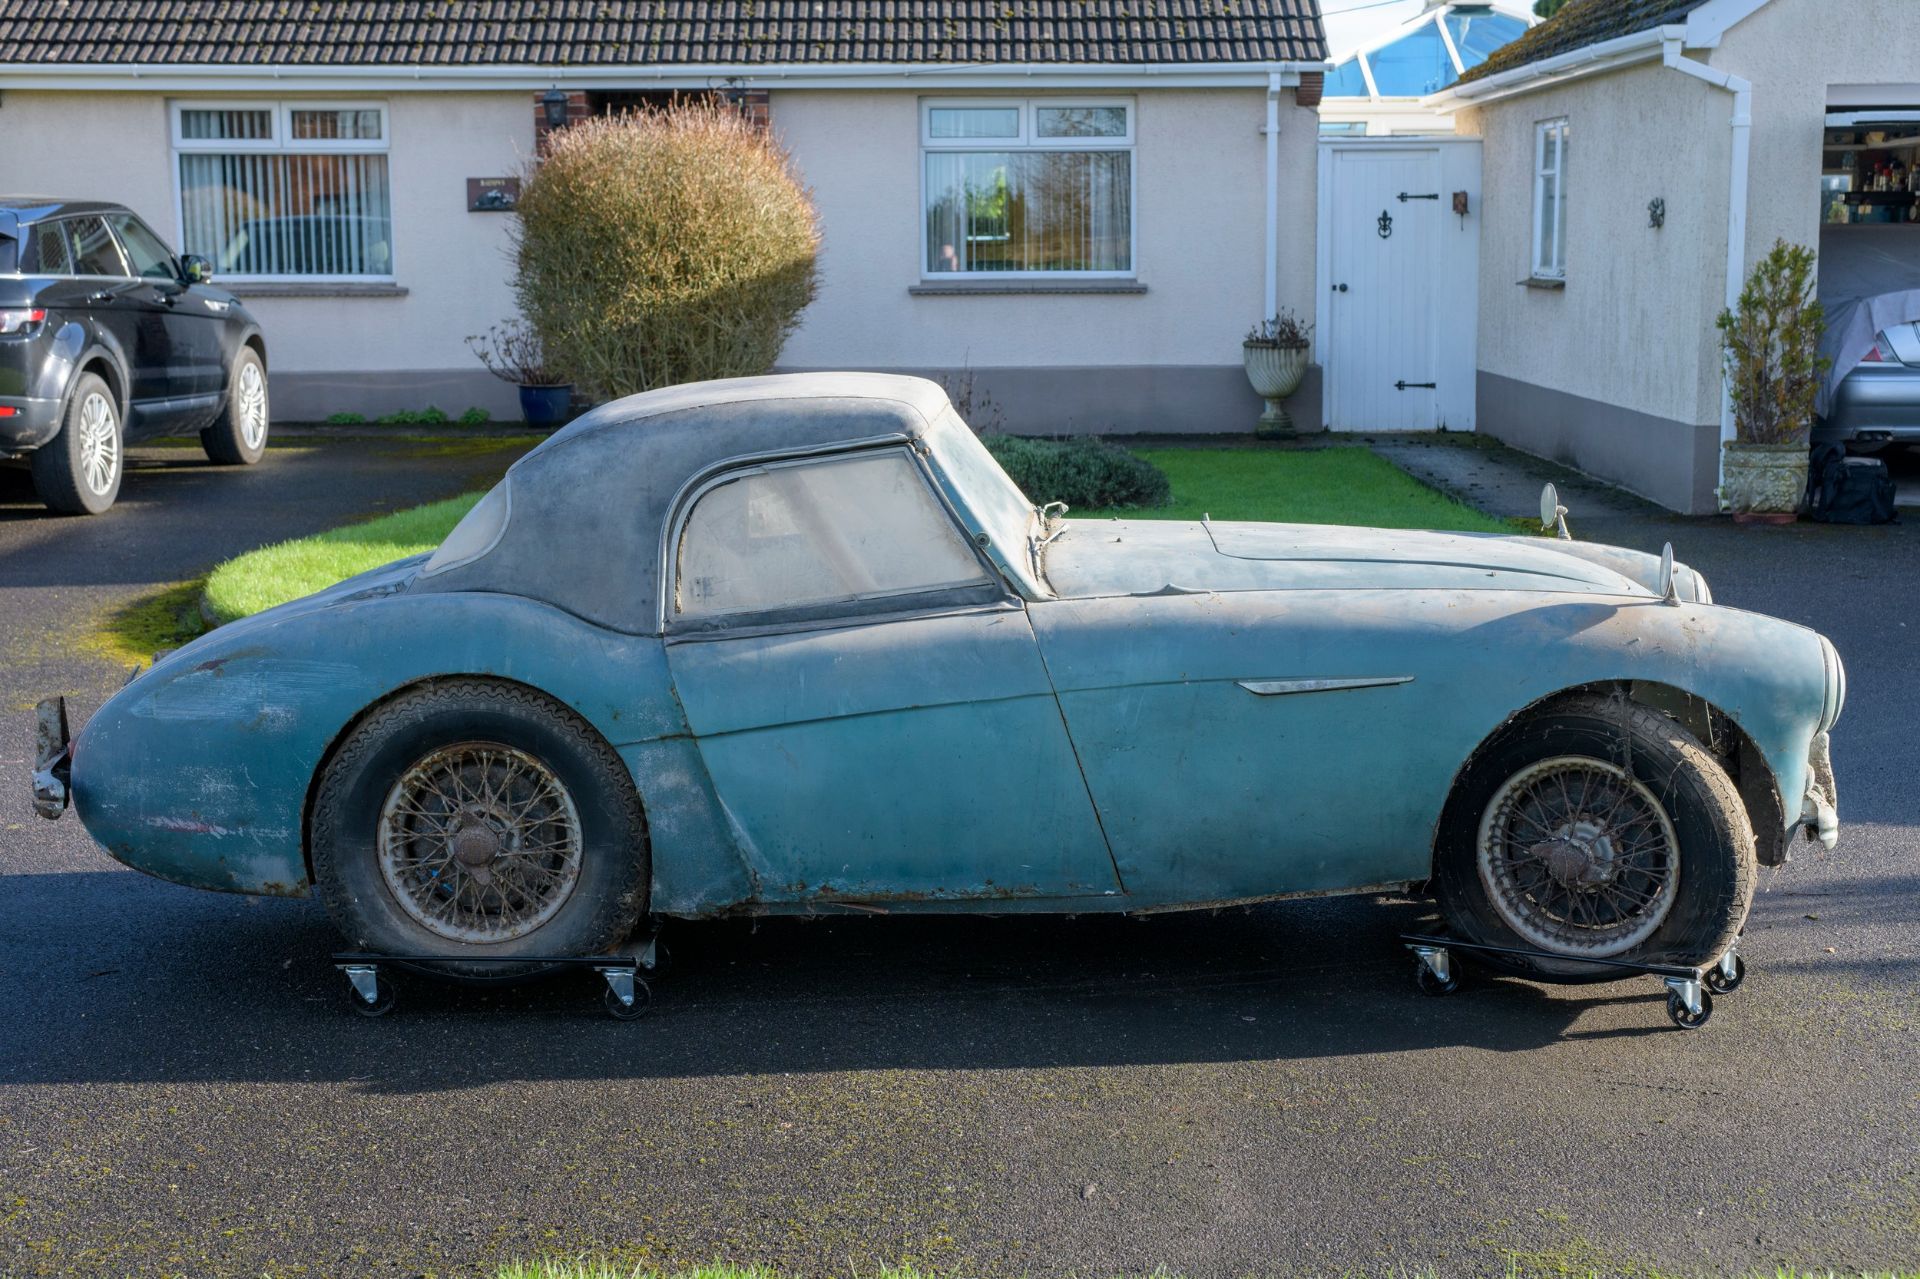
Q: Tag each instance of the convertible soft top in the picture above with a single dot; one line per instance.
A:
(588, 508)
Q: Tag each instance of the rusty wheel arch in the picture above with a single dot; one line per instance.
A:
(428, 681)
(1718, 731)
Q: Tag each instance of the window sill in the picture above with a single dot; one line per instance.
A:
(1544, 283)
(310, 289)
(996, 288)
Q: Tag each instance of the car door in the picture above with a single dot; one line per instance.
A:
(105, 290)
(190, 333)
(868, 699)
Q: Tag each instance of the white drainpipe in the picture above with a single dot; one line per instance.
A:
(1271, 296)
(1742, 91)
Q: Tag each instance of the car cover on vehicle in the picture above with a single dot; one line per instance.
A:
(1869, 281)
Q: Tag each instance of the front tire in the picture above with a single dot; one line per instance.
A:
(78, 471)
(1596, 827)
(238, 437)
(474, 818)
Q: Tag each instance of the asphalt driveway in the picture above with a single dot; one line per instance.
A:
(183, 1091)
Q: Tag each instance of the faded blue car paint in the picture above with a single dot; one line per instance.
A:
(1084, 742)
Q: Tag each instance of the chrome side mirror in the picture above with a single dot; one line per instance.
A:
(1552, 514)
(196, 269)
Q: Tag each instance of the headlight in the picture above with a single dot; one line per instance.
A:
(1836, 685)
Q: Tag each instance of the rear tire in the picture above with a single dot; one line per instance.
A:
(78, 471)
(238, 437)
(1600, 827)
(472, 818)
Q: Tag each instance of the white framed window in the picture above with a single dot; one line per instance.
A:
(1019, 187)
(285, 190)
(1550, 200)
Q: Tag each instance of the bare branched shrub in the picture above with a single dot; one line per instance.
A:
(662, 247)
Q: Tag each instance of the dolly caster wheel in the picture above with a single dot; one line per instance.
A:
(369, 994)
(625, 997)
(1725, 977)
(1684, 1017)
(1429, 982)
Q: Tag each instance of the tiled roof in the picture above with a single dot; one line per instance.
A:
(1581, 23)
(668, 32)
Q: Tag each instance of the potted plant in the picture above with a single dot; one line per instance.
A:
(1275, 354)
(1770, 344)
(512, 353)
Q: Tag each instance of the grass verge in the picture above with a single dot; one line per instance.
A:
(285, 571)
(1341, 485)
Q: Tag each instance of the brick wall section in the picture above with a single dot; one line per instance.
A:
(1312, 85)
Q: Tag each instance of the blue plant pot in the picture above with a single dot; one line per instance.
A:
(545, 405)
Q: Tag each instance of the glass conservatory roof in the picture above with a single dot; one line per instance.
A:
(1428, 55)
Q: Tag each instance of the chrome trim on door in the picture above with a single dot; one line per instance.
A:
(1280, 687)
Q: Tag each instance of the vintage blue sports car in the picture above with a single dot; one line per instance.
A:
(797, 644)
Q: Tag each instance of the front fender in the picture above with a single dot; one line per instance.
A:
(199, 771)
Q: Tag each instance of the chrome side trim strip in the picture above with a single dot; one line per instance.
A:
(1280, 687)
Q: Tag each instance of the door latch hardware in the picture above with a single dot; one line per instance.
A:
(1386, 224)
(1409, 386)
(1404, 197)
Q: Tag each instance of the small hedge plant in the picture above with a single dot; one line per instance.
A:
(1085, 472)
(661, 247)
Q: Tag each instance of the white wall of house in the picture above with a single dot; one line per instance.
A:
(326, 353)
(1797, 52)
(1617, 373)
(1164, 359)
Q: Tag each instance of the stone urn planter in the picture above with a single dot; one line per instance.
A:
(1275, 355)
(1764, 483)
(1276, 373)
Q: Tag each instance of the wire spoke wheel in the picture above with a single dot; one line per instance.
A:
(480, 842)
(99, 445)
(1578, 857)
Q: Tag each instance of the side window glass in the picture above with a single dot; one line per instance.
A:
(843, 529)
(145, 250)
(46, 252)
(94, 252)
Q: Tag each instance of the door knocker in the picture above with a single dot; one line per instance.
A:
(1386, 225)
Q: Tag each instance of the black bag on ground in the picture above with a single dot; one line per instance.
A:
(1848, 490)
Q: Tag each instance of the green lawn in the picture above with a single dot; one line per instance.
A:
(1321, 486)
(1348, 485)
(275, 574)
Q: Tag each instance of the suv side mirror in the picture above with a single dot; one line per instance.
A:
(196, 269)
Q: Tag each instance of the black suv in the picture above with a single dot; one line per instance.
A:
(105, 337)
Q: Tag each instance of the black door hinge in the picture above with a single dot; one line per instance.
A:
(1408, 386)
(1404, 197)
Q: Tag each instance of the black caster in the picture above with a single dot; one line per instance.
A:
(626, 995)
(369, 992)
(1433, 972)
(1686, 1018)
(1725, 977)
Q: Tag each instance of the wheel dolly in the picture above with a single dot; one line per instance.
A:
(1690, 991)
(626, 996)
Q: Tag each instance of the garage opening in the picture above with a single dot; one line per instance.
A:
(1870, 287)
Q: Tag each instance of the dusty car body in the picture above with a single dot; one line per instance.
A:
(1037, 715)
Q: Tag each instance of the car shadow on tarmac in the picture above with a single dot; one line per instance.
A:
(126, 979)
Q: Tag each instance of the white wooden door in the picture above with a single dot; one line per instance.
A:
(1384, 246)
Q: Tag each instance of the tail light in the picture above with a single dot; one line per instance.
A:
(20, 320)
(1882, 352)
